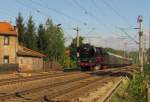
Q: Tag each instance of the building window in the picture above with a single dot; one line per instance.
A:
(6, 59)
(6, 40)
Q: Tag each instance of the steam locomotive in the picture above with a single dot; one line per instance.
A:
(91, 58)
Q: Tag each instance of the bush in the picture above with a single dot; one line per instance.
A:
(68, 63)
(137, 89)
(147, 71)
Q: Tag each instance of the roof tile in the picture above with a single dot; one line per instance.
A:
(7, 29)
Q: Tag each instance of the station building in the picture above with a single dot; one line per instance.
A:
(14, 56)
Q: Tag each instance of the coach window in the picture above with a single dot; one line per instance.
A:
(6, 40)
(6, 59)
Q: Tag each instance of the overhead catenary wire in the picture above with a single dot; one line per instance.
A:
(128, 35)
(98, 21)
(39, 11)
(57, 11)
(116, 12)
(33, 8)
(98, 7)
(50, 8)
(94, 17)
(102, 13)
(60, 13)
(87, 12)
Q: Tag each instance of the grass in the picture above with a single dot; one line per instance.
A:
(133, 90)
(120, 95)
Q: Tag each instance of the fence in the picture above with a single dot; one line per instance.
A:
(51, 65)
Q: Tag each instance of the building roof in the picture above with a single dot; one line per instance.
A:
(23, 51)
(7, 29)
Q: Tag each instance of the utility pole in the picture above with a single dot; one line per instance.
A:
(77, 39)
(149, 45)
(77, 29)
(141, 48)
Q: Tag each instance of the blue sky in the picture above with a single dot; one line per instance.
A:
(98, 17)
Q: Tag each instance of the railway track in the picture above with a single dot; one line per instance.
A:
(51, 91)
(34, 90)
(54, 90)
(36, 77)
(43, 76)
(32, 78)
(85, 90)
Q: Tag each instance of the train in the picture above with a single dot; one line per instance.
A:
(94, 58)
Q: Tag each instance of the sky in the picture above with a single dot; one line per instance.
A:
(99, 21)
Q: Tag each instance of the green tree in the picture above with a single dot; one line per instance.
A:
(73, 47)
(55, 35)
(21, 28)
(30, 35)
(42, 40)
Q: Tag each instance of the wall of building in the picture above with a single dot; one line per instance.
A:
(30, 63)
(8, 68)
(8, 50)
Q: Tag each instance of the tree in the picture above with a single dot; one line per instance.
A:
(73, 46)
(30, 35)
(21, 28)
(42, 41)
(55, 35)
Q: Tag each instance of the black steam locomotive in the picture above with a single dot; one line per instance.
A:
(91, 58)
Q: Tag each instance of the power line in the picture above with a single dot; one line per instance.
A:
(90, 14)
(60, 13)
(35, 9)
(56, 11)
(128, 35)
(116, 12)
(48, 8)
(89, 31)
(97, 7)
(93, 16)
(38, 11)
(85, 11)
